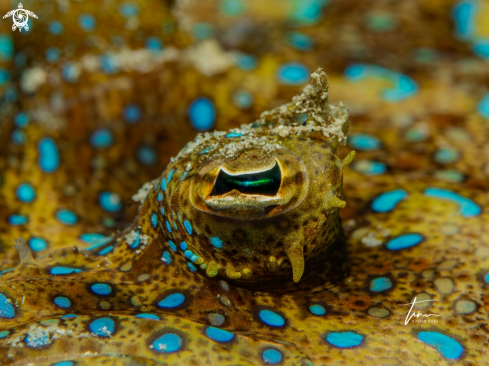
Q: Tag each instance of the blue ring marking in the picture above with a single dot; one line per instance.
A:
(271, 356)
(232, 7)
(241, 99)
(183, 246)
(69, 316)
(154, 44)
(163, 184)
(4, 333)
(166, 256)
(6, 308)
(216, 242)
(246, 62)
(66, 217)
(388, 201)
(167, 343)
(170, 175)
(380, 284)
(62, 302)
(344, 339)
(188, 254)
(37, 244)
(147, 316)
(293, 73)
(191, 267)
(202, 113)
(18, 137)
(147, 155)
(172, 246)
(404, 241)
(64, 363)
(102, 138)
(64, 270)
(103, 327)
(110, 202)
(317, 309)
(6, 47)
(168, 226)
(21, 120)
(25, 193)
(87, 22)
(271, 318)
(364, 142)
(233, 134)
(106, 250)
(48, 155)
(448, 346)
(16, 220)
(56, 28)
(463, 14)
(101, 289)
(300, 41)
(172, 301)
(188, 227)
(219, 335)
(128, 10)
(483, 107)
(132, 113)
(160, 197)
(154, 220)
(468, 208)
(52, 54)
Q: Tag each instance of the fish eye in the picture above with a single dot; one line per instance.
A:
(265, 183)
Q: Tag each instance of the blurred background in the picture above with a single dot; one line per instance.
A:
(97, 96)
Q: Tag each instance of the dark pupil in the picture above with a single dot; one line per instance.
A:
(266, 183)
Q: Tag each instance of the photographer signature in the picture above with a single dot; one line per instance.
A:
(417, 315)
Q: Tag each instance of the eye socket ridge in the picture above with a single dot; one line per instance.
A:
(266, 183)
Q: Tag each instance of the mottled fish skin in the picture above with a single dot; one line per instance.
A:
(242, 251)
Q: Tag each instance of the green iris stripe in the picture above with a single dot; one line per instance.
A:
(251, 183)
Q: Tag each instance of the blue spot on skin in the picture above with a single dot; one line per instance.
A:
(191, 267)
(163, 184)
(194, 258)
(102, 138)
(188, 227)
(246, 62)
(380, 284)
(166, 257)
(271, 356)
(101, 289)
(483, 106)
(37, 244)
(110, 202)
(17, 220)
(67, 217)
(69, 316)
(62, 302)
(154, 220)
(364, 142)
(21, 120)
(170, 175)
(344, 339)
(97, 240)
(147, 155)
(4, 76)
(446, 156)
(481, 48)
(188, 254)
(103, 327)
(293, 73)
(160, 197)
(242, 99)
(468, 208)
(404, 241)
(71, 72)
(172, 246)
(233, 134)
(369, 167)
(18, 137)
(6, 308)
(168, 227)
(300, 41)
(167, 343)
(317, 309)
(202, 30)
(48, 155)
(64, 363)
(26, 193)
(202, 114)
(106, 250)
(172, 301)
(387, 201)
(87, 22)
(307, 12)
(52, 54)
(219, 335)
(448, 347)
(216, 242)
(271, 318)
(128, 9)
(6, 47)
(4, 333)
(487, 277)
(154, 44)
(232, 7)
(147, 316)
(463, 14)
(108, 63)
(183, 245)
(56, 28)
(132, 113)
(64, 270)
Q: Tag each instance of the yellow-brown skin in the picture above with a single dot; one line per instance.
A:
(454, 252)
